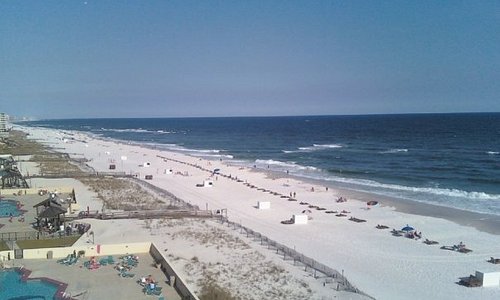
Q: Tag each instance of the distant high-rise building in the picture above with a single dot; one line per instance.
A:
(3, 126)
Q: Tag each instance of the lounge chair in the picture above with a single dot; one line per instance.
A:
(356, 220)
(73, 260)
(471, 281)
(381, 226)
(429, 242)
(111, 261)
(457, 248)
(395, 232)
(124, 273)
(341, 215)
(65, 260)
(494, 260)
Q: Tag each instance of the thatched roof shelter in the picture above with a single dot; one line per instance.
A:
(52, 212)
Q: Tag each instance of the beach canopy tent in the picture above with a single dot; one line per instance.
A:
(407, 228)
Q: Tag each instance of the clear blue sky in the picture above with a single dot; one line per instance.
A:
(66, 59)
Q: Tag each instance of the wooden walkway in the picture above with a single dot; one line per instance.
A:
(144, 214)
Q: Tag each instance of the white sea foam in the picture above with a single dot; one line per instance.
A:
(139, 130)
(284, 165)
(396, 150)
(492, 152)
(314, 147)
(426, 190)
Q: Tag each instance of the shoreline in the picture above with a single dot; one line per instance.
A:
(483, 222)
(366, 254)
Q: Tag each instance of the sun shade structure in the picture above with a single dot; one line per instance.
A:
(52, 212)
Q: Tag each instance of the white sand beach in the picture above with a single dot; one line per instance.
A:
(376, 262)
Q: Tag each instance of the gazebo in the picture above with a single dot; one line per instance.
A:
(52, 211)
(11, 178)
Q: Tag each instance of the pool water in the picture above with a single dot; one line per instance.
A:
(8, 207)
(11, 287)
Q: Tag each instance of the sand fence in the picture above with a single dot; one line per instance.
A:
(330, 275)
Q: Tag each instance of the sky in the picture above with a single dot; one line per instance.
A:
(86, 59)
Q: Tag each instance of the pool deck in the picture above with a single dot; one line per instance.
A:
(102, 283)
(29, 212)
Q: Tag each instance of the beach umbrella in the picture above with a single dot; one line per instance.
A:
(407, 228)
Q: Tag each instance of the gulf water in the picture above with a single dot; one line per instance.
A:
(446, 159)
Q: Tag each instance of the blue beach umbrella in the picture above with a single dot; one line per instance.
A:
(407, 228)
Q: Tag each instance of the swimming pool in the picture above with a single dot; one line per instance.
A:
(8, 208)
(11, 287)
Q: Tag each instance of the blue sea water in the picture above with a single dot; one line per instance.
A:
(446, 159)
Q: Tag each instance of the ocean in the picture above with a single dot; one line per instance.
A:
(450, 160)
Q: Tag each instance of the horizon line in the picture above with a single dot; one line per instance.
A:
(249, 116)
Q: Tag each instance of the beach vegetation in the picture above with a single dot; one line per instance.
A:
(3, 246)
(212, 291)
(48, 243)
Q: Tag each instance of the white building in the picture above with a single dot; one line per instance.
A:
(3, 126)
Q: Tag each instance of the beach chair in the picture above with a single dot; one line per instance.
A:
(126, 274)
(73, 260)
(471, 281)
(494, 260)
(429, 242)
(111, 261)
(64, 260)
(152, 291)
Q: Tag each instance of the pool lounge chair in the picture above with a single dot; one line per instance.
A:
(111, 261)
(65, 260)
(124, 273)
(152, 291)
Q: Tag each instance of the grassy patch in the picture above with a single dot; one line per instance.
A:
(212, 291)
(50, 243)
(3, 246)
(18, 144)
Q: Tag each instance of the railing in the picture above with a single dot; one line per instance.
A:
(41, 235)
(32, 235)
(309, 264)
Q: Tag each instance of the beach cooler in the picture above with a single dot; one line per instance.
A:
(300, 219)
(263, 205)
(489, 278)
